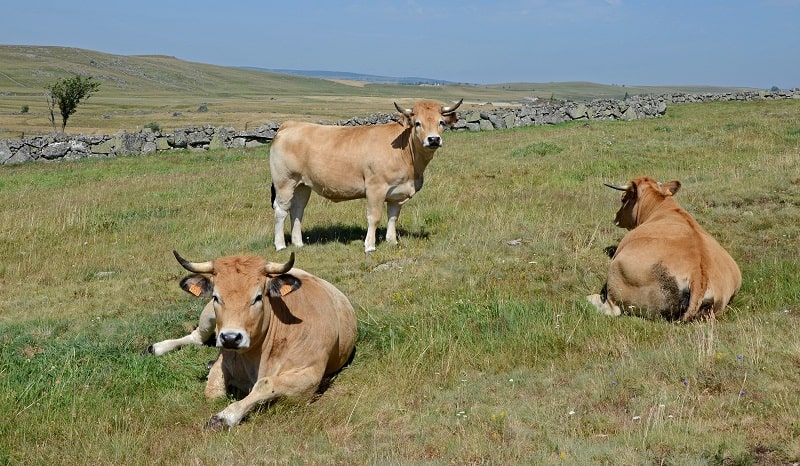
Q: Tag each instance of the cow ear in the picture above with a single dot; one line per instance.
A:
(633, 188)
(671, 188)
(450, 119)
(406, 120)
(198, 285)
(282, 285)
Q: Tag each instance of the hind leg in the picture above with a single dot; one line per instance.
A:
(280, 205)
(603, 304)
(299, 201)
(393, 211)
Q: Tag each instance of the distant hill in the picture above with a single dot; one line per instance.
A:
(137, 90)
(25, 70)
(346, 76)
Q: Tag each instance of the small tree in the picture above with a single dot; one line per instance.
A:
(66, 93)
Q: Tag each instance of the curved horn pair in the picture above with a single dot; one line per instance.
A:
(451, 109)
(445, 110)
(618, 188)
(273, 268)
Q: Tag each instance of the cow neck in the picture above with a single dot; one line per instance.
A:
(420, 158)
(653, 205)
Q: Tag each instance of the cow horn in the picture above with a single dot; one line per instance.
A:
(196, 267)
(274, 268)
(449, 110)
(407, 112)
(618, 188)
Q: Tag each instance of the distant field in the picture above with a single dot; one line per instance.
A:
(138, 90)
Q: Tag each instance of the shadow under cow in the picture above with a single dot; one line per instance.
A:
(346, 234)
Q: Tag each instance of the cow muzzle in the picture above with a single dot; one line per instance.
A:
(433, 141)
(233, 340)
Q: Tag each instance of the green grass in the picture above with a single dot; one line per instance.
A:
(470, 350)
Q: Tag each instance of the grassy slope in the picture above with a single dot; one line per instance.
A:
(470, 350)
(137, 90)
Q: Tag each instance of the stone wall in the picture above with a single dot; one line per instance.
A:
(69, 147)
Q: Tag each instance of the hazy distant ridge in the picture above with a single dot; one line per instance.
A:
(355, 76)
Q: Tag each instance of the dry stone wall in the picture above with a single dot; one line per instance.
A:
(69, 147)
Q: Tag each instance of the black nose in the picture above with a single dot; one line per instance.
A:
(434, 141)
(230, 339)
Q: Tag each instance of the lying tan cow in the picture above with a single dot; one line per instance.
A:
(280, 330)
(667, 265)
(382, 163)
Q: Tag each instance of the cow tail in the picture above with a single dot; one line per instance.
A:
(272, 195)
(697, 290)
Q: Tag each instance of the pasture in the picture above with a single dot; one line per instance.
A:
(476, 344)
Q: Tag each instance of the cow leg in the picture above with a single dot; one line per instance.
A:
(204, 331)
(281, 205)
(300, 382)
(299, 201)
(374, 208)
(393, 211)
(215, 386)
(605, 306)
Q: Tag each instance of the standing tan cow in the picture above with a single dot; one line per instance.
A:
(382, 163)
(667, 265)
(280, 330)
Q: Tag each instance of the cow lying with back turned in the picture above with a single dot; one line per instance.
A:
(280, 330)
(382, 163)
(667, 265)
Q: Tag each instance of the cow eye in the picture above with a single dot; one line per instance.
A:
(215, 298)
(418, 124)
(257, 299)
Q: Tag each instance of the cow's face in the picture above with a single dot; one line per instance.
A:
(641, 191)
(626, 215)
(427, 121)
(240, 288)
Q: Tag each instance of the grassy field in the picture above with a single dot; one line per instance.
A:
(136, 91)
(476, 344)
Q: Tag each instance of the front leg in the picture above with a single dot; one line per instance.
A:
(302, 382)
(215, 386)
(393, 211)
(204, 332)
(375, 199)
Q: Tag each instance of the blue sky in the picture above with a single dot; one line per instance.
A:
(648, 42)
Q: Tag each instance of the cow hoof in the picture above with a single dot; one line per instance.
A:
(215, 424)
(595, 300)
(149, 350)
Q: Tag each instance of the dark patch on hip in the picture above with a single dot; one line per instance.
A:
(676, 300)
